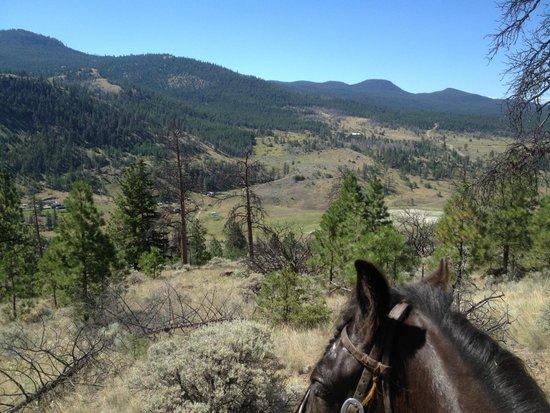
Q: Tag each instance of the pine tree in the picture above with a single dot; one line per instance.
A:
(539, 230)
(87, 252)
(507, 220)
(133, 227)
(235, 241)
(459, 233)
(198, 253)
(388, 249)
(376, 212)
(151, 262)
(53, 270)
(215, 248)
(17, 249)
(336, 230)
(357, 225)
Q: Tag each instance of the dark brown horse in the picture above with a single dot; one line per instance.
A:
(405, 350)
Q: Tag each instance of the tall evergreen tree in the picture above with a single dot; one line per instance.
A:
(198, 253)
(54, 270)
(376, 211)
(235, 241)
(507, 221)
(133, 228)
(215, 248)
(87, 253)
(337, 228)
(17, 250)
(539, 229)
(459, 233)
(357, 225)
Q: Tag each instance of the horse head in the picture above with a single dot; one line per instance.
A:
(405, 349)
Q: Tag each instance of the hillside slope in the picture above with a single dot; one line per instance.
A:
(213, 92)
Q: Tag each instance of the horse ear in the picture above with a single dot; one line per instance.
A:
(373, 291)
(440, 277)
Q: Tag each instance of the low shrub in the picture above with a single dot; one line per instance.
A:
(151, 262)
(227, 367)
(290, 298)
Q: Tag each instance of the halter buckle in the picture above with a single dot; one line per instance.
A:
(352, 402)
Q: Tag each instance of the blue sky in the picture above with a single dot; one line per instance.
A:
(420, 45)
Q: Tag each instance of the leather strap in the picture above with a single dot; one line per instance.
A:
(365, 359)
(373, 369)
(397, 313)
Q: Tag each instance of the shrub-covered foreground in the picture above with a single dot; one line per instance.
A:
(228, 367)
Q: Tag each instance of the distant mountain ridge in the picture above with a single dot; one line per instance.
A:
(22, 50)
(383, 92)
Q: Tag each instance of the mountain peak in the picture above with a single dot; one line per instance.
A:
(24, 37)
(378, 86)
(21, 50)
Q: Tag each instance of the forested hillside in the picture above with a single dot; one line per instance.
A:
(215, 93)
(50, 131)
(54, 132)
(228, 98)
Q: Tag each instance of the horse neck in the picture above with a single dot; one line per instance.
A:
(431, 375)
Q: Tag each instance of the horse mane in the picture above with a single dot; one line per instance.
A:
(504, 375)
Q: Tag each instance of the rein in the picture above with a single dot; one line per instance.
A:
(374, 371)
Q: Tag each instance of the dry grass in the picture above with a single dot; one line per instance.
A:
(528, 302)
(299, 350)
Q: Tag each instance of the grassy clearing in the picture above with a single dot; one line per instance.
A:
(353, 124)
(475, 146)
(267, 146)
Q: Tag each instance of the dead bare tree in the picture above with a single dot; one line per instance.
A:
(182, 195)
(174, 176)
(37, 227)
(36, 365)
(486, 309)
(419, 230)
(248, 210)
(524, 35)
(166, 310)
(280, 247)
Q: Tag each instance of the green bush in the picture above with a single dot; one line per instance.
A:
(227, 367)
(151, 262)
(235, 241)
(215, 248)
(287, 297)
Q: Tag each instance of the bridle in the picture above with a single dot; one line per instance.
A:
(375, 372)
